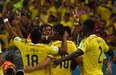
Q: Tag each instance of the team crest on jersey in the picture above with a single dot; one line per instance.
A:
(80, 46)
(17, 39)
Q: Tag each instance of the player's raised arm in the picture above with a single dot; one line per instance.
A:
(7, 24)
(77, 26)
(63, 48)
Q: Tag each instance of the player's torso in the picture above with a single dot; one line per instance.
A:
(33, 55)
(64, 67)
(93, 58)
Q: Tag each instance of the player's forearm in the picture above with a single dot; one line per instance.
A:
(9, 29)
(19, 30)
(63, 48)
(108, 66)
(107, 63)
(42, 65)
(72, 55)
(77, 28)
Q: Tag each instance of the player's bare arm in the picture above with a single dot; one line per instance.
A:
(40, 66)
(69, 57)
(8, 26)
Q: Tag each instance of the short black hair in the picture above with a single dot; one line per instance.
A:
(35, 35)
(88, 24)
(59, 28)
(44, 26)
(68, 29)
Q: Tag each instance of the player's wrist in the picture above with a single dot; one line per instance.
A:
(32, 69)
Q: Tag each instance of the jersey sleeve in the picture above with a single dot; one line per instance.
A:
(52, 50)
(18, 42)
(83, 46)
(106, 47)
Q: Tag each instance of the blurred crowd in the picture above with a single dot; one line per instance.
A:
(47, 13)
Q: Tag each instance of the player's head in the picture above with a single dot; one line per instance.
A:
(58, 29)
(88, 26)
(46, 30)
(35, 35)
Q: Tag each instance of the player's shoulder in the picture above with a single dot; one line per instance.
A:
(41, 45)
(17, 39)
(55, 43)
(70, 42)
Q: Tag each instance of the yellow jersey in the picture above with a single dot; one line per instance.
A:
(1, 72)
(81, 66)
(64, 68)
(93, 48)
(33, 54)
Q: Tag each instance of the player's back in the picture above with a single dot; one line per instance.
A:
(93, 48)
(64, 68)
(33, 54)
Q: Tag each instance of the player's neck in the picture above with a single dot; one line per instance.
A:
(89, 33)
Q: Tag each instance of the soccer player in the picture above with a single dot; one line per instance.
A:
(64, 67)
(33, 53)
(93, 48)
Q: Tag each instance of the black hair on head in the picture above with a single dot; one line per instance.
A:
(35, 35)
(59, 28)
(88, 24)
(68, 29)
(44, 26)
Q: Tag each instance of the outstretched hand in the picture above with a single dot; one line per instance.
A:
(17, 19)
(56, 62)
(75, 15)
